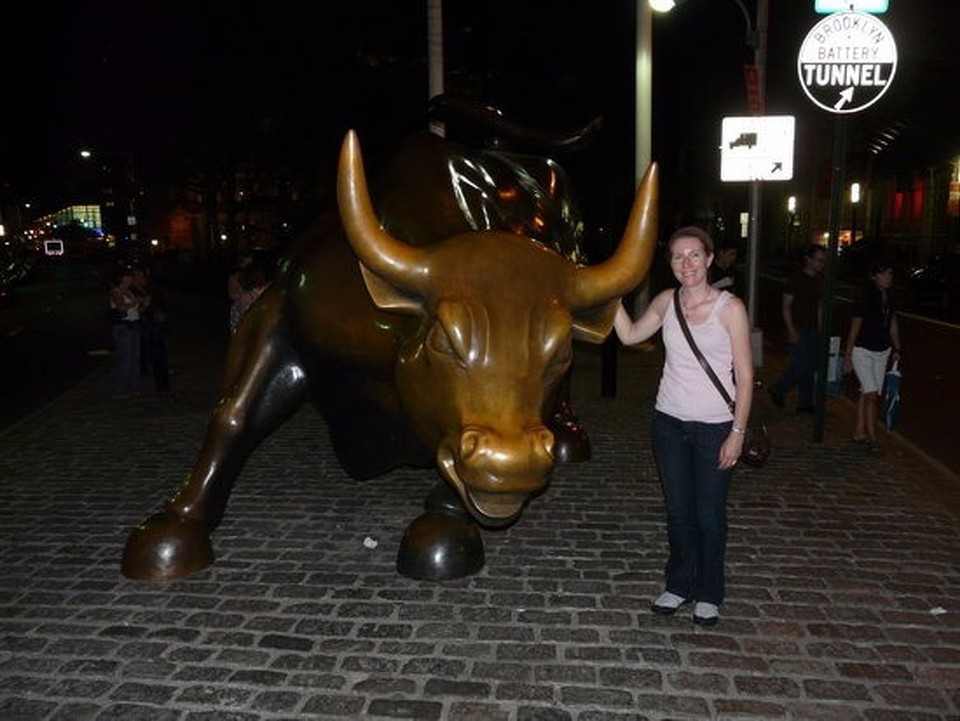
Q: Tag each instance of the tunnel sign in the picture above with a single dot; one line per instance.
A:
(847, 61)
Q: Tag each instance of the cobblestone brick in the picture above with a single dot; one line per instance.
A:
(402, 709)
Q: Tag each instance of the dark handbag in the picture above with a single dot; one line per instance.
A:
(756, 440)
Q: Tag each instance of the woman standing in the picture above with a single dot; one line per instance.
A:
(696, 441)
(874, 334)
(125, 330)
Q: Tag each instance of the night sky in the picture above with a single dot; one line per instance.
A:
(155, 79)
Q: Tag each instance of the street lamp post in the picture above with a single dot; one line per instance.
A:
(643, 132)
(757, 39)
(756, 35)
(791, 224)
(854, 204)
(435, 59)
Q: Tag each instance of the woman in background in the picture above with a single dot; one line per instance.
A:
(125, 330)
(873, 338)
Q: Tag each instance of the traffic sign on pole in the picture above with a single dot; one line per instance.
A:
(756, 147)
(864, 6)
(847, 62)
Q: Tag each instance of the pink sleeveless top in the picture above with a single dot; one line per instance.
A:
(686, 392)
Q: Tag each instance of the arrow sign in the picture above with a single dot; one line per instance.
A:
(847, 62)
(845, 97)
(756, 148)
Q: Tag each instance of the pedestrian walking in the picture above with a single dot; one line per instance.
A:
(125, 331)
(252, 281)
(154, 352)
(873, 338)
(723, 270)
(696, 439)
(800, 307)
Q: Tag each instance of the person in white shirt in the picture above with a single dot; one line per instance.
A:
(696, 438)
(125, 308)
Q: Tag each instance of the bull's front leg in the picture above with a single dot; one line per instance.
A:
(570, 441)
(263, 386)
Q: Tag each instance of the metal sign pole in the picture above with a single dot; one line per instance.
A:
(830, 279)
(839, 77)
(760, 61)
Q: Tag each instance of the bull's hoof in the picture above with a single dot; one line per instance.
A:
(165, 547)
(570, 442)
(440, 546)
(443, 543)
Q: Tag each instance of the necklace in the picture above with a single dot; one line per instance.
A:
(690, 307)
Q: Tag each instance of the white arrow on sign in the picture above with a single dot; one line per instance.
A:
(845, 97)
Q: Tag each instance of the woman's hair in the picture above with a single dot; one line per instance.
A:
(692, 231)
(878, 267)
(251, 277)
(118, 273)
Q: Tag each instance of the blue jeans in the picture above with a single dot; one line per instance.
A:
(126, 369)
(802, 369)
(695, 496)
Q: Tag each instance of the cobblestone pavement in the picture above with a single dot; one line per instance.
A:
(843, 577)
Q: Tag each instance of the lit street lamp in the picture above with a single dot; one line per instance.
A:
(854, 203)
(793, 220)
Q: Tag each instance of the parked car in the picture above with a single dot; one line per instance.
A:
(935, 285)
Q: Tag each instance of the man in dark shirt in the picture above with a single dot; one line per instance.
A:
(723, 274)
(802, 294)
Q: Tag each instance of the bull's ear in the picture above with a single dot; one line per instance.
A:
(594, 324)
(389, 297)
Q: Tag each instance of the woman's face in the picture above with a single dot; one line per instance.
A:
(689, 260)
(884, 279)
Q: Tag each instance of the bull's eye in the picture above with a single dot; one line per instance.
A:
(438, 340)
(440, 343)
(450, 334)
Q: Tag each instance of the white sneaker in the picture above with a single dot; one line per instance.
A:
(706, 614)
(668, 603)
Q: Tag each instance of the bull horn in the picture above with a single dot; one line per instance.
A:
(628, 266)
(400, 263)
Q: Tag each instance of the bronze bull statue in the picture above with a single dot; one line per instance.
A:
(424, 341)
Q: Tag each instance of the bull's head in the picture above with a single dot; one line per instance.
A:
(500, 314)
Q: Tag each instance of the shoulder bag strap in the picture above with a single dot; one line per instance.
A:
(696, 351)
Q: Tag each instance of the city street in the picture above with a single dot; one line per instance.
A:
(842, 603)
(50, 334)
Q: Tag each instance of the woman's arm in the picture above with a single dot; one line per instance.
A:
(632, 332)
(895, 335)
(120, 300)
(737, 323)
(786, 311)
(738, 328)
(855, 324)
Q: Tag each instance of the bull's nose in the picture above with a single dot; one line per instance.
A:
(500, 457)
